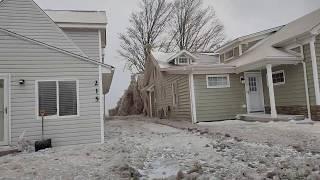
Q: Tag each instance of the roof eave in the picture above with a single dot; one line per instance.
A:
(294, 39)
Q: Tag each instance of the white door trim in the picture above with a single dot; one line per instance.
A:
(247, 89)
(6, 86)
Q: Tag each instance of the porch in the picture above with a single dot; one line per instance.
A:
(277, 92)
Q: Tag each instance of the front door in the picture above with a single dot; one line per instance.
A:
(254, 92)
(3, 110)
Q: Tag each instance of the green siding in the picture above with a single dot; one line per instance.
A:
(219, 104)
(292, 92)
(164, 95)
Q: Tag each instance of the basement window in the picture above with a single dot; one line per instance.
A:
(57, 98)
(218, 81)
(278, 77)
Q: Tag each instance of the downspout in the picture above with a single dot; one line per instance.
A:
(306, 89)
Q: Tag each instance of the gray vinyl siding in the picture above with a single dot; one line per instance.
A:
(24, 17)
(31, 62)
(219, 104)
(292, 93)
(183, 109)
(87, 40)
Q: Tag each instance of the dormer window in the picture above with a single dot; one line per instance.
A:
(229, 54)
(183, 60)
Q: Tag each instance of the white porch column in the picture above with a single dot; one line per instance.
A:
(271, 92)
(315, 71)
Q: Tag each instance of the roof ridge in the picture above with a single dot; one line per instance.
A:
(54, 47)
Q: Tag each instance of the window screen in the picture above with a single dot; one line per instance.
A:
(67, 98)
(47, 98)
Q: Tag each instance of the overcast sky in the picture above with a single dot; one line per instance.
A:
(240, 17)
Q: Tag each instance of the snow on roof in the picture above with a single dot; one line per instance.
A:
(75, 16)
(200, 58)
(298, 27)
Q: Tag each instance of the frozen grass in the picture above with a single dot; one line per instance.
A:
(224, 150)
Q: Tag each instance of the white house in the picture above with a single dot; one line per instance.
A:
(52, 62)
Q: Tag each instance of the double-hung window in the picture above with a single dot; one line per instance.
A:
(278, 77)
(58, 98)
(218, 81)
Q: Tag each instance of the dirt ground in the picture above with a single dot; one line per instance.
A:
(141, 148)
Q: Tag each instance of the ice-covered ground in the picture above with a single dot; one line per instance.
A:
(140, 146)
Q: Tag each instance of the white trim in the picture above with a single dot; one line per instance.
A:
(240, 50)
(271, 91)
(193, 99)
(247, 90)
(7, 108)
(284, 77)
(57, 91)
(315, 70)
(101, 105)
(101, 96)
(306, 89)
(221, 86)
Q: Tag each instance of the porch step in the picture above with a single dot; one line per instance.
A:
(268, 118)
(6, 150)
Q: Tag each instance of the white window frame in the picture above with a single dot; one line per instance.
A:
(284, 78)
(221, 86)
(58, 112)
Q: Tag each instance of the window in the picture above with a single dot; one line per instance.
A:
(229, 55)
(174, 87)
(278, 77)
(218, 81)
(183, 60)
(58, 98)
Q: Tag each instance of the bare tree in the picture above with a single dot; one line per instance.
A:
(193, 28)
(146, 26)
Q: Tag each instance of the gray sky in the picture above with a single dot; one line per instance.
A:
(240, 17)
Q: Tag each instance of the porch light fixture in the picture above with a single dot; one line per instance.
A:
(22, 82)
(242, 80)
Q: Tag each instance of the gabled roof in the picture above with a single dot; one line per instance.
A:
(57, 49)
(264, 50)
(26, 18)
(163, 59)
(242, 38)
(75, 16)
(298, 27)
